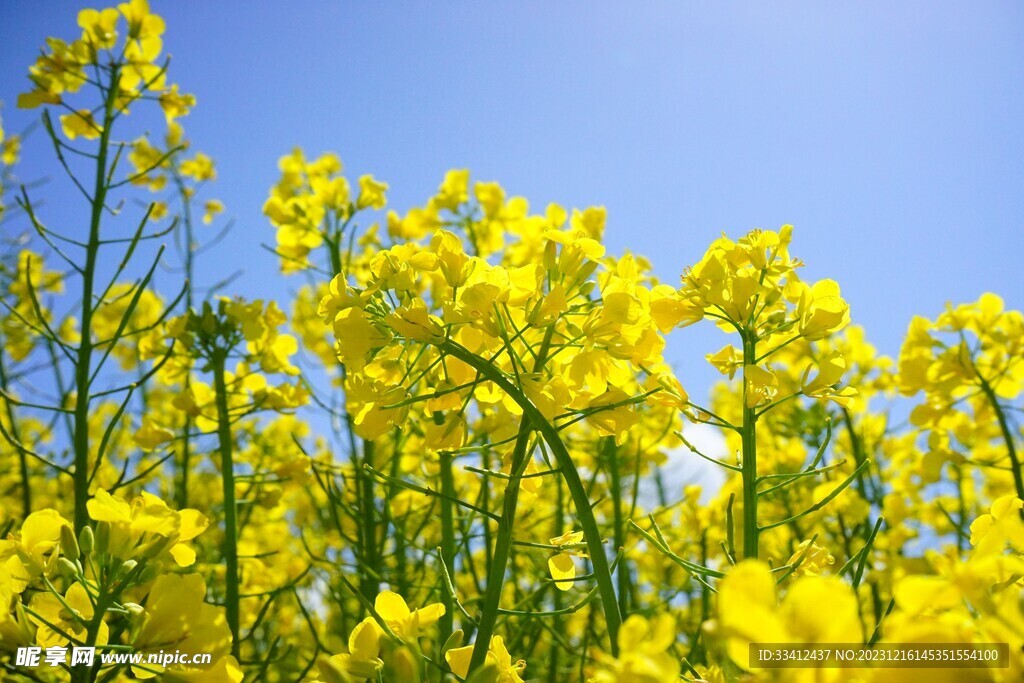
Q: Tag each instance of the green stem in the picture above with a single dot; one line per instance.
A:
(181, 491)
(577, 490)
(26, 487)
(369, 582)
(749, 434)
(83, 361)
(365, 501)
(502, 550)
(556, 599)
(447, 622)
(622, 572)
(1011, 449)
(231, 600)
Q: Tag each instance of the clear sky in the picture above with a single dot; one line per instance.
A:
(889, 134)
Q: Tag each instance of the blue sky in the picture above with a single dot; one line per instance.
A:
(889, 134)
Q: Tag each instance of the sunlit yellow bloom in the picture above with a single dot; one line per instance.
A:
(748, 611)
(72, 616)
(831, 369)
(761, 385)
(821, 310)
(561, 566)
(223, 670)
(36, 548)
(406, 623)
(1000, 528)
(210, 209)
(150, 436)
(727, 360)
(145, 517)
(497, 656)
(178, 618)
(362, 661)
(644, 655)
(371, 193)
(454, 190)
(199, 168)
(176, 104)
(80, 124)
(99, 28)
(812, 557)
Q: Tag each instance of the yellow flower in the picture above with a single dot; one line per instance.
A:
(150, 435)
(497, 656)
(37, 547)
(159, 211)
(999, 528)
(727, 360)
(362, 660)
(80, 124)
(406, 623)
(178, 618)
(210, 209)
(812, 557)
(99, 28)
(748, 611)
(761, 385)
(72, 615)
(371, 193)
(146, 516)
(224, 670)
(368, 402)
(644, 655)
(821, 310)
(199, 168)
(445, 432)
(826, 384)
(175, 104)
(561, 566)
(10, 149)
(415, 322)
(142, 25)
(590, 221)
(454, 190)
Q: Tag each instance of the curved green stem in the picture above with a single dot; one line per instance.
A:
(1011, 449)
(577, 490)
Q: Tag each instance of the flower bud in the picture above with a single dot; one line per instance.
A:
(134, 609)
(67, 568)
(86, 540)
(69, 544)
(551, 256)
(585, 271)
